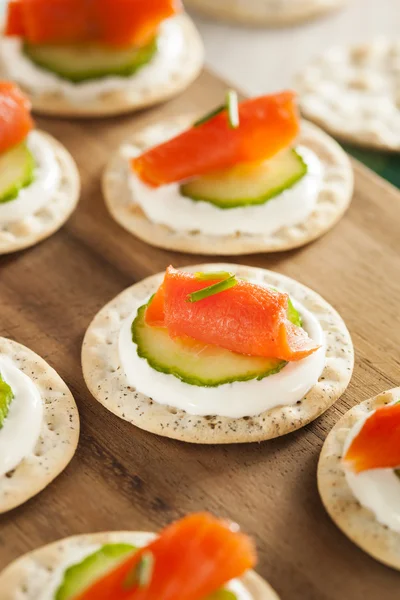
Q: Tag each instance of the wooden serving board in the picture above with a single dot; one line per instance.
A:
(124, 478)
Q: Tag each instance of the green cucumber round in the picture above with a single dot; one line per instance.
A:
(17, 170)
(248, 184)
(196, 363)
(84, 62)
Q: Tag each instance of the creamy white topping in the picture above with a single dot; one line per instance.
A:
(376, 489)
(239, 590)
(15, 65)
(47, 176)
(235, 400)
(166, 206)
(46, 589)
(21, 428)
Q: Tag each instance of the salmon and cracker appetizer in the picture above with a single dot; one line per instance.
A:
(39, 182)
(90, 59)
(247, 177)
(199, 557)
(217, 354)
(359, 476)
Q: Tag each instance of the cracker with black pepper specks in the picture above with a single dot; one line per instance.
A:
(34, 228)
(28, 576)
(108, 384)
(333, 200)
(59, 434)
(357, 522)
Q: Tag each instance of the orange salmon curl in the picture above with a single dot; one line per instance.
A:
(247, 318)
(266, 125)
(117, 23)
(191, 559)
(377, 446)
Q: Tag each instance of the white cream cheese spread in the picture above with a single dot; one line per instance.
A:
(21, 427)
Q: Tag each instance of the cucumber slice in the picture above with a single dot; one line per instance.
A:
(248, 183)
(78, 577)
(196, 363)
(83, 62)
(6, 397)
(17, 170)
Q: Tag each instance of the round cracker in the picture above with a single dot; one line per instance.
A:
(134, 98)
(58, 436)
(35, 228)
(357, 522)
(26, 577)
(353, 93)
(273, 13)
(332, 202)
(107, 382)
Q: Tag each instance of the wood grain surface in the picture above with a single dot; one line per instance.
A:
(124, 478)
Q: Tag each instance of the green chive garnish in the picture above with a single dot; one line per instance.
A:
(210, 115)
(216, 288)
(210, 276)
(232, 106)
(142, 573)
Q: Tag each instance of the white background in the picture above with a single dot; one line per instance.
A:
(265, 60)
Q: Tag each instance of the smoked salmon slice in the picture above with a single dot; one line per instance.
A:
(377, 446)
(14, 23)
(247, 318)
(113, 22)
(15, 118)
(133, 22)
(266, 125)
(191, 559)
